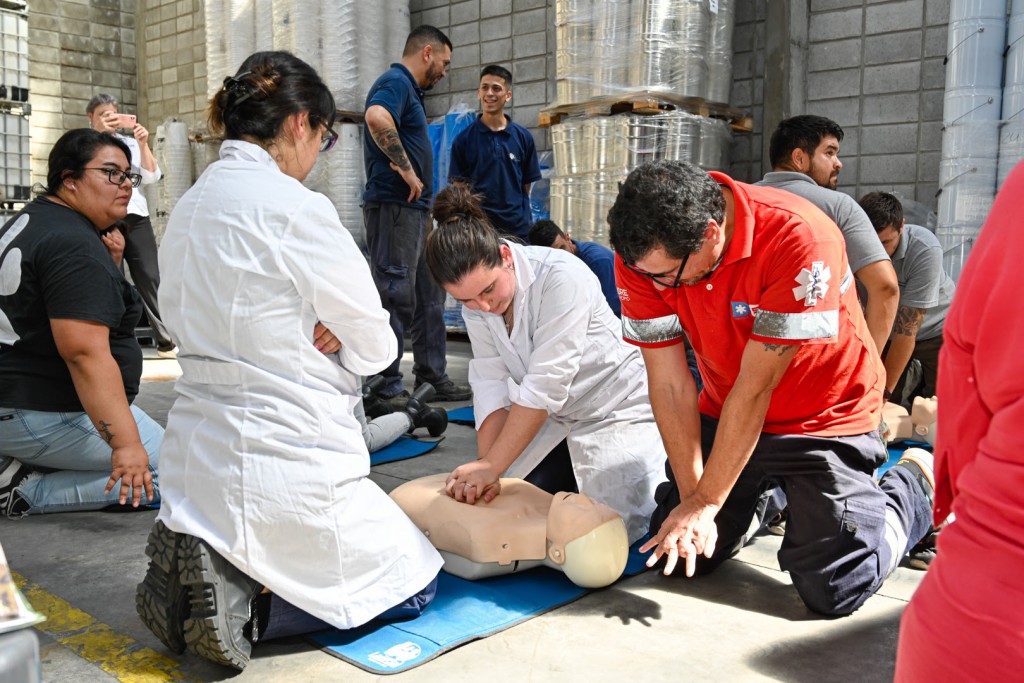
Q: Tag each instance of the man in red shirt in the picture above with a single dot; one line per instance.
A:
(758, 280)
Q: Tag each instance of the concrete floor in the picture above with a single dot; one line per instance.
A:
(743, 623)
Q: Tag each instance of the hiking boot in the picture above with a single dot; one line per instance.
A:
(920, 464)
(922, 554)
(450, 391)
(12, 475)
(160, 599)
(423, 415)
(374, 405)
(221, 604)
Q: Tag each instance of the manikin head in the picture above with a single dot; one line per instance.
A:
(810, 145)
(587, 540)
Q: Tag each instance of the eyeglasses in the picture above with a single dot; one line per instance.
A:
(328, 139)
(658, 277)
(116, 176)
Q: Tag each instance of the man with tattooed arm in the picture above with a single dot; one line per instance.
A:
(399, 184)
(757, 279)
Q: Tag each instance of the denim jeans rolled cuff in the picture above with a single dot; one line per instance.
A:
(71, 458)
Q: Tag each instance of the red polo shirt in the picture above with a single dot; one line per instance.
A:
(784, 279)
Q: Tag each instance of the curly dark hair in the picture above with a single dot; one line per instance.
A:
(665, 204)
(463, 238)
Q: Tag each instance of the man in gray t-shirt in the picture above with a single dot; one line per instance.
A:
(925, 294)
(804, 154)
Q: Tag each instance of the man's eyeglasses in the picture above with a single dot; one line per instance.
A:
(328, 139)
(116, 176)
(660, 277)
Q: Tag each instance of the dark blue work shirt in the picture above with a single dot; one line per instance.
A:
(601, 260)
(498, 164)
(396, 90)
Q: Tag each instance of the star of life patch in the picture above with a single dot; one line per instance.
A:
(813, 283)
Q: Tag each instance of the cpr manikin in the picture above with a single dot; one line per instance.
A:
(522, 528)
(918, 425)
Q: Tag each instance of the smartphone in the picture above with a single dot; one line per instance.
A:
(125, 121)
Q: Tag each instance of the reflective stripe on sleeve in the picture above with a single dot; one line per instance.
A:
(652, 331)
(808, 325)
(846, 282)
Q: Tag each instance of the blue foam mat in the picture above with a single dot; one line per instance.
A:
(896, 452)
(402, 449)
(462, 416)
(462, 611)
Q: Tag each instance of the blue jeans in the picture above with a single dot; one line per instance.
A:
(73, 457)
(395, 238)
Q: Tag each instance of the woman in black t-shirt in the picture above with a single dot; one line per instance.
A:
(69, 362)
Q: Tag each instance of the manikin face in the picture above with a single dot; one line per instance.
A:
(440, 58)
(890, 237)
(493, 93)
(825, 164)
(489, 290)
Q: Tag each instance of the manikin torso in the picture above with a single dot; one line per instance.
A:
(523, 527)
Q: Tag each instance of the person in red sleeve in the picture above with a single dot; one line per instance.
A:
(966, 620)
(758, 280)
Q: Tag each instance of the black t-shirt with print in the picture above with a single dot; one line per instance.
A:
(53, 265)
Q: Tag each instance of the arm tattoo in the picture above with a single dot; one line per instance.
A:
(779, 349)
(104, 429)
(389, 142)
(908, 320)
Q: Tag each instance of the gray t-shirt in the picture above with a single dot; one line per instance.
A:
(923, 282)
(862, 244)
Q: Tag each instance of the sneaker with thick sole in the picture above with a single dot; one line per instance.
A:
(221, 604)
(160, 599)
(921, 464)
(450, 391)
(12, 475)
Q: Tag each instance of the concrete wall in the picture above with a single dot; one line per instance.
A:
(876, 68)
(517, 34)
(172, 60)
(76, 48)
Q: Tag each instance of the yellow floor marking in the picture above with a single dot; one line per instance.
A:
(95, 642)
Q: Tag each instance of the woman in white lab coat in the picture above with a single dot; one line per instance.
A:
(560, 400)
(266, 462)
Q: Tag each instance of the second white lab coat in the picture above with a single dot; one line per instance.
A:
(565, 355)
(263, 457)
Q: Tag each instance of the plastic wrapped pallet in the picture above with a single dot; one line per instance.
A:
(719, 55)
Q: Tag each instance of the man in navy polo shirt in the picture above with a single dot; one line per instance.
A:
(599, 258)
(399, 169)
(498, 157)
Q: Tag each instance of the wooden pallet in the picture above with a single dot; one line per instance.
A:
(342, 116)
(646, 102)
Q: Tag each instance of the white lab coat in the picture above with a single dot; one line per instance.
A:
(262, 456)
(566, 356)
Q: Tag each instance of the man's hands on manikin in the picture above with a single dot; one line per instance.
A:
(688, 531)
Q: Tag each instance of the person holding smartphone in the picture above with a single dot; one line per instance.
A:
(140, 242)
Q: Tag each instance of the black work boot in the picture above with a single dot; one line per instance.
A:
(221, 605)
(423, 415)
(375, 405)
(160, 599)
